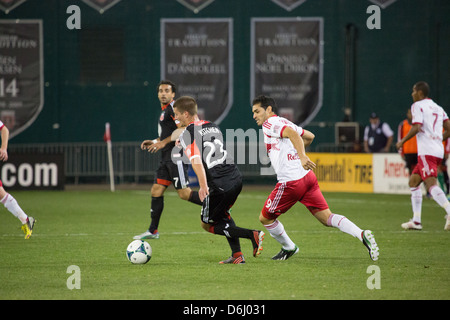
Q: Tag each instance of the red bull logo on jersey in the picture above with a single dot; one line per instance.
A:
(291, 157)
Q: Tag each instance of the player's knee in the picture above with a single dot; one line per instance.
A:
(265, 221)
(157, 190)
(207, 227)
(184, 194)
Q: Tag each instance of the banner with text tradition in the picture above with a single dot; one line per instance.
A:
(197, 55)
(21, 73)
(287, 65)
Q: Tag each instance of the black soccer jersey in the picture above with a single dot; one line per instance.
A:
(166, 126)
(205, 140)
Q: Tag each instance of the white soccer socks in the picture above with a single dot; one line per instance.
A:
(439, 196)
(276, 230)
(416, 203)
(11, 204)
(345, 225)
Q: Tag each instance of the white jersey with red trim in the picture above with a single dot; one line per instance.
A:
(431, 116)
(1, 125)
(282, 154)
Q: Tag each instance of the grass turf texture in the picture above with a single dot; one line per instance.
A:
(91, 229)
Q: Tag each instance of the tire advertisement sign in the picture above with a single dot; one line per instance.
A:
(196, 54)
(287, 65)
(344, 172)
(21, 73)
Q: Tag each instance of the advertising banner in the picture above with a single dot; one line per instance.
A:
(196, 54)
(21, 73)
(33, 172)
(391, 175)
(287, 65)
(344, 172)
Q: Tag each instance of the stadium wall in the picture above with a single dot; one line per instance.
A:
(411, 45)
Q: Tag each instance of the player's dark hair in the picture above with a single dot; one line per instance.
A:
(186, 103)
(424, 87)
(265, 102)
(168, 82)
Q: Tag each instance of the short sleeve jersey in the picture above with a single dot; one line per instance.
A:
(282, 154)
(431, 116)
(204, 139)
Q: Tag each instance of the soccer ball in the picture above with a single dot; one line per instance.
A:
(139, 252)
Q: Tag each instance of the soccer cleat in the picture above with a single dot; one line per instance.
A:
(447, 222)
(411, 225)
(27, 227)
(258, 237)
(285, 254)
(147, 235)
(232, 260)
(369, 241)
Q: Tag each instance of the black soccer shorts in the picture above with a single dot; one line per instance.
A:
(216, 206)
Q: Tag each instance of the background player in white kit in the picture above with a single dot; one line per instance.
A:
(428, 122)
(285, 143)
(8, 200)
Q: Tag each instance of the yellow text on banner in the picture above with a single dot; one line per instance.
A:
(344, 172)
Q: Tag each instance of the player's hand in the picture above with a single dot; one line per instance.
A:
(203, 193)
(155, 147)
(3, 155)
(398, 145)
(146, 144)
(307, 163)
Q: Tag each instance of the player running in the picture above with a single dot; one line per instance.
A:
(8, 200)
(428, 122)
(219, 179)
(285, 143)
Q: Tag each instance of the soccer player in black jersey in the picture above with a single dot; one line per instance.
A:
(171, 168)
(219, 178)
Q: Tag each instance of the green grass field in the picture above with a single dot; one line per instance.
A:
(91, 229)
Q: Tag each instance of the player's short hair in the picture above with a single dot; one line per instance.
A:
(424, 87)
(168, 82)
(265, 102)
(186, 103)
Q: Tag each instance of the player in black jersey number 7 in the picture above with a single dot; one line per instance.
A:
(171, 169)
(219, 178)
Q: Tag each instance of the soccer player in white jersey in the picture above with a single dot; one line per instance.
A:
(285, 143)
(429, 121)
(8, 200)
